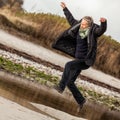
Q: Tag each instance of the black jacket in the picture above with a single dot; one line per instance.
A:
(66, 42)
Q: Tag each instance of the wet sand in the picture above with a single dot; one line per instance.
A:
(10, 110)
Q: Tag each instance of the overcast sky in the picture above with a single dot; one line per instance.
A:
(79, 8)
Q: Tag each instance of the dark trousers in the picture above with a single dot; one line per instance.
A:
(71, 71)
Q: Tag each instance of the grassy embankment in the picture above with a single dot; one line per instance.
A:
(43, 29)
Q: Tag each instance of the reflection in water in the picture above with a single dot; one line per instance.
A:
(23, 91)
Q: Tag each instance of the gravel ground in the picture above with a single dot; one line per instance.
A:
(48, 70)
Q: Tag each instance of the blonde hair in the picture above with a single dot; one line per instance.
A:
(88, 19)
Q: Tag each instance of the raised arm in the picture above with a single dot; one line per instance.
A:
(102, 28)
(72, 21)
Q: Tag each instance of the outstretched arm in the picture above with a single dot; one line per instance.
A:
(102, 28)
(68, 14)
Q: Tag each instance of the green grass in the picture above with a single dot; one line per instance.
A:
(26, 71)
(112, 103)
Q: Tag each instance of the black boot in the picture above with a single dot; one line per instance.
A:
(80, 106)
(58, 88)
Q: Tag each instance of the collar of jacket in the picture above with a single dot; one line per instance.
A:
(90, 39)
(73, 30)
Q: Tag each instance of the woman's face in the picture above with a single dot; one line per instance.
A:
(84, 24)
